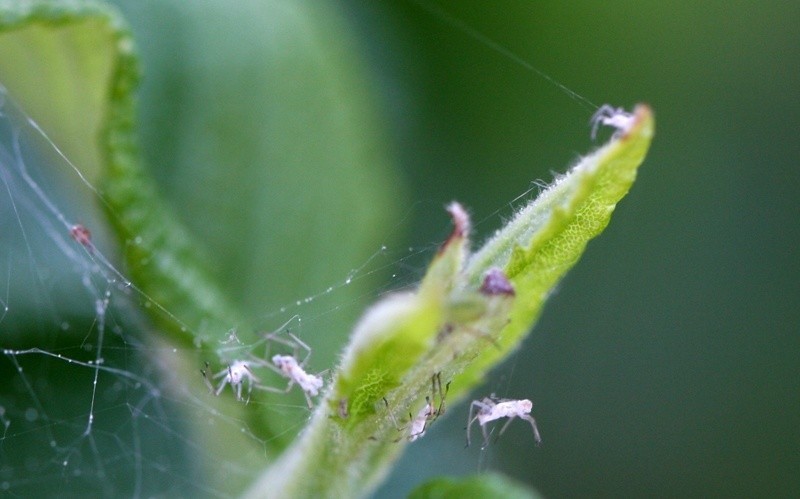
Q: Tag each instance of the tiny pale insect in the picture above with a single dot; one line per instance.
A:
(491, 408)
(615, 117)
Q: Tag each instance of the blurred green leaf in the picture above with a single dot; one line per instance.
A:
(262, 125)
(277, 145)
(487, 485)
(56, 59)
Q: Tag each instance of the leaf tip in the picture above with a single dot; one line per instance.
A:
(638, 123)
(461, 224)
(643, 121)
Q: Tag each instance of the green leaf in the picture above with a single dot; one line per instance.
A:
(466, 315)
(487, 485)
(73, 68)
(454, 327)
(548, 236)
(56, 59)
(299, 127)
(268, 140)
(395, 334)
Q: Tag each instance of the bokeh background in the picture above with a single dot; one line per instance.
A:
(666, 364)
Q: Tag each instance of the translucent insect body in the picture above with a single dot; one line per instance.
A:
(241, 371)
(492, 408)
(420, 423)
(608, 115)
(428, 414)
(289, 367)
(236, 375)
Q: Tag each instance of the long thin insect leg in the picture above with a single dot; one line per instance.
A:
(485, 437)
(471, 419)
(536, 435)
(503, 429)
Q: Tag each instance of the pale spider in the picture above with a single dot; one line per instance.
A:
(236, 375)
(289, 367)
(428, 414)
(608, 115)
(240, 372)
(492, 408)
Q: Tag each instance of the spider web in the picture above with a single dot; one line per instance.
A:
(93, 402)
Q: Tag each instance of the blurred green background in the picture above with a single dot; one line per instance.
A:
(666, 364)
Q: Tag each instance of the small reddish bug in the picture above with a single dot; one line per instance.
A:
(82, 235)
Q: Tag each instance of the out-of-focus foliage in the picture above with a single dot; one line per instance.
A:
(485, 485)
(667, 365)
(667, 361)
